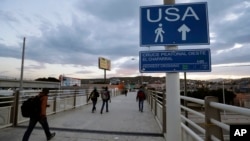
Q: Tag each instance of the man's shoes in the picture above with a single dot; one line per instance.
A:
(51, 136)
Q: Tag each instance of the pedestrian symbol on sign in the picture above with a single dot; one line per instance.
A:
(159, 31)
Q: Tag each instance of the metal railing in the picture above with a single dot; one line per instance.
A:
(209, 126)
(59, 100)
(157, 103)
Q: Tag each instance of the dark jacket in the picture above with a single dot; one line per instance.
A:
(94, 95)
(42, 104)
(141, 95)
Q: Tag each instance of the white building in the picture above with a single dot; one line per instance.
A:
(69, 81)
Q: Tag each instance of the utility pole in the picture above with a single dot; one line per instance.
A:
(15, 116)
(223, 92)
(21, 77)
(104, 76)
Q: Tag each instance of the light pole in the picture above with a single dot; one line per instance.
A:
(140, 74)
(21, 76)
(141, 78)
(223, 92)
(20, 87)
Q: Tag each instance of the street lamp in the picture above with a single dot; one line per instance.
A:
(22, 64)
(140, 73)
(223, 92)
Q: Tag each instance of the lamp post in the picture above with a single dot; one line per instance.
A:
(223, 92)
(20, 88)
(141, 78)
(140, 73)
(21, 76)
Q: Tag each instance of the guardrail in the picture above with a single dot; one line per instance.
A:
(157, 103)
(210, 127)
(59, 101)
(15, 83)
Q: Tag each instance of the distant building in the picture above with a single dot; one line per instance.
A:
(242, 100)
(69, 81)
(115, 81)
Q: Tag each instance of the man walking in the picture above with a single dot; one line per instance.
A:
(93, 96)
(105, 98)
(141, 96)
(40, 117)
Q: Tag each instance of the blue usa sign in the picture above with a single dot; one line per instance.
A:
(178, 24)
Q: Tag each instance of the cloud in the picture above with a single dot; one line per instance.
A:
(232, 55)
(75, 33)
(83, 39)
(110, 10)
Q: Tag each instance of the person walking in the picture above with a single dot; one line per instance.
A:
(141, 96)
(94, 96)
(125, 92)
(105, 98)
(40, 117)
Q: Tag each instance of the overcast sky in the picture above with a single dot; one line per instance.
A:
(67, 37)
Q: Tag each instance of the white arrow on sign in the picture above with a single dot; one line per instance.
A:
(184, 29)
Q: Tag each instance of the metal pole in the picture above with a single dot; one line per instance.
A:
(21, 77)
(173, 99)
(104, 76)
(185, 94)
(141, 78)
(17, 94)
(223, 92)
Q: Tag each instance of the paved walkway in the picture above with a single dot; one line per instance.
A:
(123, 122)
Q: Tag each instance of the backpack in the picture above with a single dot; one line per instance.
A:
(94, 95)
(105, 95)
(141, 95)
(31, 107)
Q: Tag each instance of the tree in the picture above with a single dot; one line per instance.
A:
(201, 93)
(49, 79)
(229, 95)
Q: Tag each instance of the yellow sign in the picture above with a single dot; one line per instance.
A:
(104, 63)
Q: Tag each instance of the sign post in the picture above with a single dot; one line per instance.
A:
(104, 64)
(173, 100)
(170, 25)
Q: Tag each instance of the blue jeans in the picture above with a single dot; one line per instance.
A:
(107, 105)
(32, 124)
(141, 105)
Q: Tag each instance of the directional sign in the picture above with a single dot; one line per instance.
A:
(191, 60)
(179, 24)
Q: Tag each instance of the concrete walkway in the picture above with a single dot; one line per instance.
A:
(123, 122)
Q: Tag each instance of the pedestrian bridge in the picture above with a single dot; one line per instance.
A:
(70, 116)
